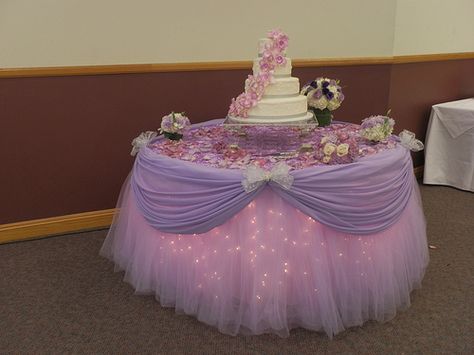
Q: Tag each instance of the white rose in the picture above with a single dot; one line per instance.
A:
(311, 100)
(318, 103)
(380, 136)
(374, 134)
(305, 90)
(310, 95)
(329, 148)
(326, 159)
(388, 130)
(342, 149)
(333, 105)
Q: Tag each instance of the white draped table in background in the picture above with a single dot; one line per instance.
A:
(449, 153)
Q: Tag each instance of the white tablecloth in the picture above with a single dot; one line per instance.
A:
(449, 151)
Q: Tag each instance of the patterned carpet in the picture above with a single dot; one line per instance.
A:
(58, 296)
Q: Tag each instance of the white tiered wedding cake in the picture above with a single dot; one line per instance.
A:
(271, 94)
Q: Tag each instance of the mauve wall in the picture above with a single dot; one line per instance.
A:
(415, 87)
(65, 141)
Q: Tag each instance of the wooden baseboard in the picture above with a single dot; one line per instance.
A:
(40, 228)
(44, 227)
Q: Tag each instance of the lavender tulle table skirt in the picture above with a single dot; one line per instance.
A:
(271, 268)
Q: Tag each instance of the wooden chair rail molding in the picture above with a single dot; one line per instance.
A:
(40, 228)
(228, 65)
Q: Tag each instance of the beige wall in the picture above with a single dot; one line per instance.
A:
(434, 26)
(36, 33)
(81, 32)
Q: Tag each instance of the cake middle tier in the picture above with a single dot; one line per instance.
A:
(280, 71)
(281, 87)
(279, 107)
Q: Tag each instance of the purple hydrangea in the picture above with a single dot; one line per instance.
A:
(376, 128)
(174, 123)
(372, 121)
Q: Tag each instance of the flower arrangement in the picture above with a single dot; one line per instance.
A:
(324, 96)
(272, 56)
(377, 128)
(173, 125)
(254, 88)
(336, 150)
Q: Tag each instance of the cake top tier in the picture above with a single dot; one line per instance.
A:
(276, 41)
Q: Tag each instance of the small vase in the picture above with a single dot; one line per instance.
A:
(173, 136)
(324, 117)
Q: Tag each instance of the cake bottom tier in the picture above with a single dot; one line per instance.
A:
(305, 118)
(290, 106)
(271, 268)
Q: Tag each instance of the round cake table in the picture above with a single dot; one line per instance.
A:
(211, 227)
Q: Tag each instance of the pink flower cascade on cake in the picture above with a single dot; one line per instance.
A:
(272, 56)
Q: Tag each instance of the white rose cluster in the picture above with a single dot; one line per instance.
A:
(329, 148)
(342, 149)
(375, 134)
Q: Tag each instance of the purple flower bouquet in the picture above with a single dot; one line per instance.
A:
(377, 128)
(324, 96)
(173, 125)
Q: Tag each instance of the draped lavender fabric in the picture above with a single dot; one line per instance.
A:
(364, 197)
(182, 197)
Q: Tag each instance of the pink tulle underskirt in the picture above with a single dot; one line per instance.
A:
(271, 268)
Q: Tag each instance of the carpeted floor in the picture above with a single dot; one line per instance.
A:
(58, 296)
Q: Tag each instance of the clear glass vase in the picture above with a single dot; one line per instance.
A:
(324, 117)
(173, 136)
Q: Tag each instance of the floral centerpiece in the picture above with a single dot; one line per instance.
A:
(377, 128)
(173, 125)
(324, 96)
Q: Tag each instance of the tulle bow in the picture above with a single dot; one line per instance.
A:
(141, 141)
(255, 176)
(408, 140)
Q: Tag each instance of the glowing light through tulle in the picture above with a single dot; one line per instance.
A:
(272, 255)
